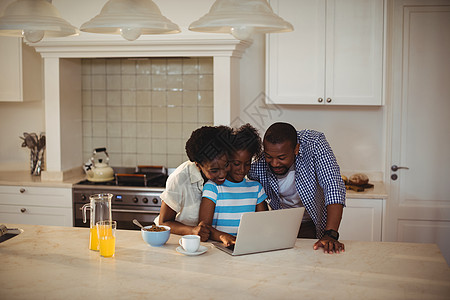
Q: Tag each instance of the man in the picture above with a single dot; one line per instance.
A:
(300, 169)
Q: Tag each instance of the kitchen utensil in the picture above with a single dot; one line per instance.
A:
(358, 188)
(3, 229)
(100, 206)
(36, 144)
(136, 222)
(97, 170)
(7, 233)
(29, 140)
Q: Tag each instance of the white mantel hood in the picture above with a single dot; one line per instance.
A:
(62, 85)
(167, 46)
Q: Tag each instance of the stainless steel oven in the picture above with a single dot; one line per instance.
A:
(135, 197)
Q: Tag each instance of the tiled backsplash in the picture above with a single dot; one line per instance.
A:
(144, 110)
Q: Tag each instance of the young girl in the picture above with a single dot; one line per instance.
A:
(206, 149)
(224, 203)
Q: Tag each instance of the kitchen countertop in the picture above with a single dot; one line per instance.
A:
(54, 263)
(26, 179)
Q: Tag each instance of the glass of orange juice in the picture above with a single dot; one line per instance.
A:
(106, 231)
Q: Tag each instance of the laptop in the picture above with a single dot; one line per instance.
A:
(265, 231)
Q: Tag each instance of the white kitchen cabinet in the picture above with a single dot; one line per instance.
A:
(36, 205)
(333, 56)
(21, 72)
(362, 220)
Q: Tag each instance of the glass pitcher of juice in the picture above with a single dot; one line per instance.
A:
(100, 210)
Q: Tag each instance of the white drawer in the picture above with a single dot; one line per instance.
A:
(36, 196)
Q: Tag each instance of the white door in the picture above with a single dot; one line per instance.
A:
(419, 206)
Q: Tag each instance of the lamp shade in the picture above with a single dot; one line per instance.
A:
(33, 19)
(130, 18)
(241, 18)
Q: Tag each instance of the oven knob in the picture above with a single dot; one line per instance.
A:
(135, 199)
(145, 200)
(83, 197)
(155, 200)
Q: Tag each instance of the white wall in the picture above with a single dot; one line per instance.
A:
(15, 119)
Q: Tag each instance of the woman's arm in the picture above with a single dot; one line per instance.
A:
(167, 217)
(206, 217)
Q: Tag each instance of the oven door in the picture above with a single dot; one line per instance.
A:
(123, 214)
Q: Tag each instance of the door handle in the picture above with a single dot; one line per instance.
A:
(395, 168)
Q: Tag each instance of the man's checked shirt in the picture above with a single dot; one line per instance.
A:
(318, 179)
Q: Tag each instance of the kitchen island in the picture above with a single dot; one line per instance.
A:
(50, 262)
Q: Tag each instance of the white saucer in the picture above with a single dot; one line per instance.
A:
(201, 250)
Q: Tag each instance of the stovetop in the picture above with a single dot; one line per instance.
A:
(131, 177)
(157, 182)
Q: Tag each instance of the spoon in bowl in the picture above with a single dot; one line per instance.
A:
(136, 222)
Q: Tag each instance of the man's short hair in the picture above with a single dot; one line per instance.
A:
(281, 132)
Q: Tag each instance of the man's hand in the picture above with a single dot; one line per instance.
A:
(329, 245)
(202, 229)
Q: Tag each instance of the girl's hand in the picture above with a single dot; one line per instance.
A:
(227, 239)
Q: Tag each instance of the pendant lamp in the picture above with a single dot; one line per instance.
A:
(130, 18)
(241, 18)
(34, 19)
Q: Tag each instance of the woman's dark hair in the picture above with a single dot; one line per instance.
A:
(247, 138)
(280, 132)
(207, 143)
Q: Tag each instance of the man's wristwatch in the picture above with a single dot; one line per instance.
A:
(332, 234)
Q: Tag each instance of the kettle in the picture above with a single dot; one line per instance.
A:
(97, 170)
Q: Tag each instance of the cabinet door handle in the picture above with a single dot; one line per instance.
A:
(320, 100)
(22, 190)
(328, 100)
(23, 209)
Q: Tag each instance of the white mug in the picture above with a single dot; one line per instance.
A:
(190, 243)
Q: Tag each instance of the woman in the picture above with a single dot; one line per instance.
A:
(207, 153)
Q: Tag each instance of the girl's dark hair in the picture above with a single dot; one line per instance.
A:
(247, 138)
(280, 132)
(207, 143)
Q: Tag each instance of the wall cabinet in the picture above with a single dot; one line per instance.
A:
(21, 73)
(362, 220)
(36, 205)
(333, 56)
